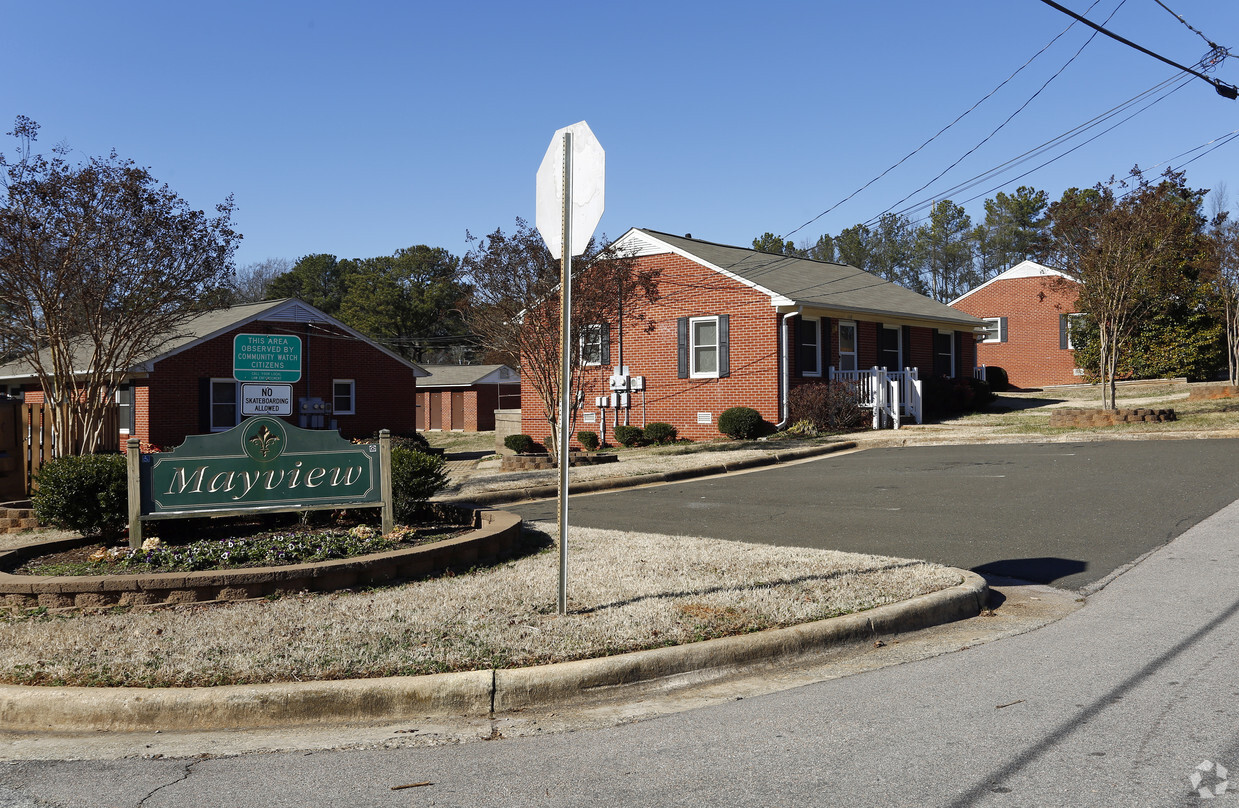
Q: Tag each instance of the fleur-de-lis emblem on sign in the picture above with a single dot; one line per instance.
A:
(265, 440)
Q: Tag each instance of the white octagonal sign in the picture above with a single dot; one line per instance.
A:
(588, 171)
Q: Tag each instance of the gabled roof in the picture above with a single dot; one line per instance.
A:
(211, 324)
(801, 282)
(468, 375)
(1024, 269)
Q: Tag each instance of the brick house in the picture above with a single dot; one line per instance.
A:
(347, 382)
(738, 327)
(1027, 310)
(465, 397)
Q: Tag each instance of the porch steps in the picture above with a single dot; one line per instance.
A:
(14, 520)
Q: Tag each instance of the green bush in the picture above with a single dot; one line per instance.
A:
(659, 432)
(982, 393)
(89, 494)
(828, 406)
(519, 443)
(415, 478)
(588, 439)
(943, 396)
(997, 378)
(742, 423)
(629, 435)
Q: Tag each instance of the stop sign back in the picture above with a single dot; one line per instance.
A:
(588, 172)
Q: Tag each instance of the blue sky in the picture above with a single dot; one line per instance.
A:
(356, 129)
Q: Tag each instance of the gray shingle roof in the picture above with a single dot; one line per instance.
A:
(818, 284)
(206, 325)
(464, 375)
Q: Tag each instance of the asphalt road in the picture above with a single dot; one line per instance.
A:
(1062, 513)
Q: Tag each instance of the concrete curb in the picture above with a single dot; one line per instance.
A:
(509, 495)
(470, 694)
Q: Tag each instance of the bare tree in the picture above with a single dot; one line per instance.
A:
(252, 280)
(1225, 280)
(1127, 253)
(99, 267)
(515, 307)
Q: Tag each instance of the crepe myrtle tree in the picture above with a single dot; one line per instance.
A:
(1130, 252)
(100, 265)
(514, 308)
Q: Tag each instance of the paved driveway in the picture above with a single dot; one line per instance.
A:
(1061, 513)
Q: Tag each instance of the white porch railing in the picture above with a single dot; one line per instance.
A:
(891, 395)
(979, 373)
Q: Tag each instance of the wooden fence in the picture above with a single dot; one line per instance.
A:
(35, 440)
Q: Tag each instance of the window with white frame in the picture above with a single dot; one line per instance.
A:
(809, 345)
(995, 329)
(343, 401)
(124, 408)
(847, 345)
(703, 346)
(591, 345)
(1074, 321)
(225, 404)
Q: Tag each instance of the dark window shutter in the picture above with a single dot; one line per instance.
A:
(1002, 329)
(826, 354)
(1062, 331)
(724, 345)
(606, 343)
(681, 353)
(204, 406)
(907, 347)
(959, 354)
(131, 399)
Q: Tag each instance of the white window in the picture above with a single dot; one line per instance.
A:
(703, 347)
(224, 404)
(810, 355)
(995, 329)
(342, 399)
(591, 345)
(944, 354)
(124, 408)
(847, 345)
(1074, 321)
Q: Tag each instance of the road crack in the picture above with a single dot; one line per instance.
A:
(184, 776)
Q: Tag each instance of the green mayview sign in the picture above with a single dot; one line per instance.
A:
(262, 463)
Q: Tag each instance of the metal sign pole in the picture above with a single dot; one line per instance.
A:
(565, 372)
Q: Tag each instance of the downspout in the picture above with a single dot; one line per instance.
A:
(785, 372)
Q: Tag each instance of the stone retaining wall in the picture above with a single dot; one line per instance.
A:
(496, 536)
(1208, 392)
(1076, 417)
(540, 462)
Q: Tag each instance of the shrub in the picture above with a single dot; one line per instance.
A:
(659, 432)
(828, 406)
(415, 478)
(997, 378)
(629, 435)
(588, 439)
(519, 443)
(89, 494)
(982, 393)
(742, 423)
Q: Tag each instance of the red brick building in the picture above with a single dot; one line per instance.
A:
(347, 381)
(1028, 310)
(465, 397)
(738, 327)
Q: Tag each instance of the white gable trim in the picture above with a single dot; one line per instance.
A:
(1024, 269)
(637, 243)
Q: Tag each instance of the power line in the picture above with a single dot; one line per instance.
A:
(1209, 42)
(1002, 125)
(1223, 89)
(902, 160)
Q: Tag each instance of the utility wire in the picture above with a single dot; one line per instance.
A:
(1002, 125)
(1223, 89)
(938, 133)
(1209, 42)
